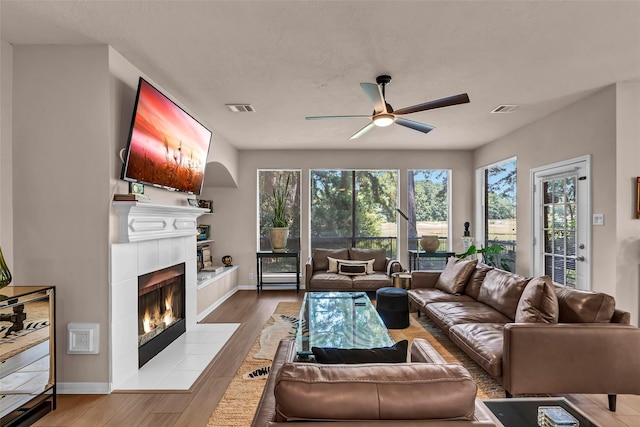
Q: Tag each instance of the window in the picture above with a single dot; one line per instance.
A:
(428, 209)
(354, 208)
(499, 213)
(267, 181)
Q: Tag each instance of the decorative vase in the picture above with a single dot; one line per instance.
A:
(279, 236)
(5, 274)
(430, 243)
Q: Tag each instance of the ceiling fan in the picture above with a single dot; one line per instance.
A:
(383, 114)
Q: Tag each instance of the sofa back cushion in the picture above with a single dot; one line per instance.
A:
(320, 261)
(577, 306)
(310, 391)
(454, 277)
(502, 290)
(378, 255)
(538, 303)
(475, 280)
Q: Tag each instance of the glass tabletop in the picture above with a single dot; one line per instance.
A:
(339, 320)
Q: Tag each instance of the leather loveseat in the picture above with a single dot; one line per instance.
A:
(530, 334)
(341, 270)
(426, 392)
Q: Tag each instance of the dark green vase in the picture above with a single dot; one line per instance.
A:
(5, 274)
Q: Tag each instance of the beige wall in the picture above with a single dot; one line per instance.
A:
(6, 153)
(234, 225)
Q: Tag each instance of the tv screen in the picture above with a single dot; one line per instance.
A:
(167, 147)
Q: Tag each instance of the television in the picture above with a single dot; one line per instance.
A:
(166, 148)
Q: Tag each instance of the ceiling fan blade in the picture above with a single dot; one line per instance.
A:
(374, 92)
(362, 131)
(414, 125)
(336, 117)
(463, 98)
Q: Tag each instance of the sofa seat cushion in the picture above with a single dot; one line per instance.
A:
(333, 281)
(577, 306)
(310, 391)
(483, 343)
(371, 281)
(538, 303)
(448, 314)
(320, 261)
(502, 290)
(423, 296)
(454, 277)
(379, 257)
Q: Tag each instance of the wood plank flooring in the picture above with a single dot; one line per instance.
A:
(194, 408)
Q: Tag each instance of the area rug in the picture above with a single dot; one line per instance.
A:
(238, 405)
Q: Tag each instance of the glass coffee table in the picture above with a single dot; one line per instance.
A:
(339, 320)
(523, 412)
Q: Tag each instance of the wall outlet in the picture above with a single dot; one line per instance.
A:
(250, 276)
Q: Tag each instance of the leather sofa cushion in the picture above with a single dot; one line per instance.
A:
(448, 314)
(475, 280)
(378, 255)
(483, 342)
(538, 303)
(307, 391)
(423, 296)
(333, 281)
(397, 353)
(320, 261)
(502, 290)
(371, 281)
(577, 306)
(454, 277)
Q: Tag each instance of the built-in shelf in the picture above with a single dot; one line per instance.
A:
(202, 242)
(205, 278)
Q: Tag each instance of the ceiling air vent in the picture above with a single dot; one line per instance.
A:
(505, 108)
(241, 108)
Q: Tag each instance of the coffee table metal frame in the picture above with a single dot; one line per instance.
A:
(339, 320)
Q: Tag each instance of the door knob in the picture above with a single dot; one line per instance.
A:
(579, 258)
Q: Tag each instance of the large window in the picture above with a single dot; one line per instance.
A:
(354, 208)
(499, 215)
(268, 180)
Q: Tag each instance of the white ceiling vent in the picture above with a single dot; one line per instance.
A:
(505, 108)
(241, 108)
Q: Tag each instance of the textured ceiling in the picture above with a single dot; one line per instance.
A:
(303, 58)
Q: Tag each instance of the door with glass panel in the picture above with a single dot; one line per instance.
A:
(561, 223)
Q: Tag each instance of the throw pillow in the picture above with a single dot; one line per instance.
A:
(538, 303)
(333, 265)
(352, 268)
(454, 277)
(397, 353)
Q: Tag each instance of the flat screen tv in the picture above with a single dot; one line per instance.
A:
(167, 147)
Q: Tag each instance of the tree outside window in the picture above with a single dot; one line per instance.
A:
(500, 211)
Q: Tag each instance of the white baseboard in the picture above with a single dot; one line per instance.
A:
(268, 287)
(216, 304)
(83, 388)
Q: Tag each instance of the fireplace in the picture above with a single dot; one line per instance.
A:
(161, 310)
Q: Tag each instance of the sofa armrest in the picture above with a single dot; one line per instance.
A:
(266, 410)
(424, 279)
(421, 351)
(571, 358)
(308, 272)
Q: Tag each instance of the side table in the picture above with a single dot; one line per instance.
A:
(414, 255)
(261, 255)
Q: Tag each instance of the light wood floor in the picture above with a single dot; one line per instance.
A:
(194, 408)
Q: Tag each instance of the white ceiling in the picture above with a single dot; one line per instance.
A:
(292, 59)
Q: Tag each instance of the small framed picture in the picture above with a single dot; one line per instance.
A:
(207, 204)
(638, 197)
(192, 202)
(136, 188)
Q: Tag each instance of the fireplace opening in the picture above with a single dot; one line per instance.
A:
(161, 311)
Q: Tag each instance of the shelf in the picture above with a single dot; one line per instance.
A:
(205, 278)
(202, 242)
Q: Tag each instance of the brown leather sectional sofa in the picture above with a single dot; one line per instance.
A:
(530, 334)
(425, 392)
(320, 277)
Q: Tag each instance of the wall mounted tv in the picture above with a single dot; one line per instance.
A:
(167, 147)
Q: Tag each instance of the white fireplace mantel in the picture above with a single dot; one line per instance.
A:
(149, 221)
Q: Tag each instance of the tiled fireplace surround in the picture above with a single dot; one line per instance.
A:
(151, 237)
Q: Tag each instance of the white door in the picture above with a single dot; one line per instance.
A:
(560, 225)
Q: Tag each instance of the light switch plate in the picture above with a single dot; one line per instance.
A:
(598, 219)
(83, 338)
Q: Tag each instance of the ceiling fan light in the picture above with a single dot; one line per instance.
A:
(383, 120)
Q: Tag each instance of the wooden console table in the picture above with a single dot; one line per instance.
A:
(261, 255)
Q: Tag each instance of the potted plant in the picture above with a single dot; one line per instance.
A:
(279, 231)
(491, 255)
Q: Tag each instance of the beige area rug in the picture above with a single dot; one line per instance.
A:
(35, 330)
(238, 405)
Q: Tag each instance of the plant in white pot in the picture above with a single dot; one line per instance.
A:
(279, 231)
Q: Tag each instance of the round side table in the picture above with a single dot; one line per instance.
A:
(401, 280)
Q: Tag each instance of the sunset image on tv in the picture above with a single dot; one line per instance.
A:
(167, 146)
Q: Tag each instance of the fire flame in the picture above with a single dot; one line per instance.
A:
(168, 313)
(146, 322)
